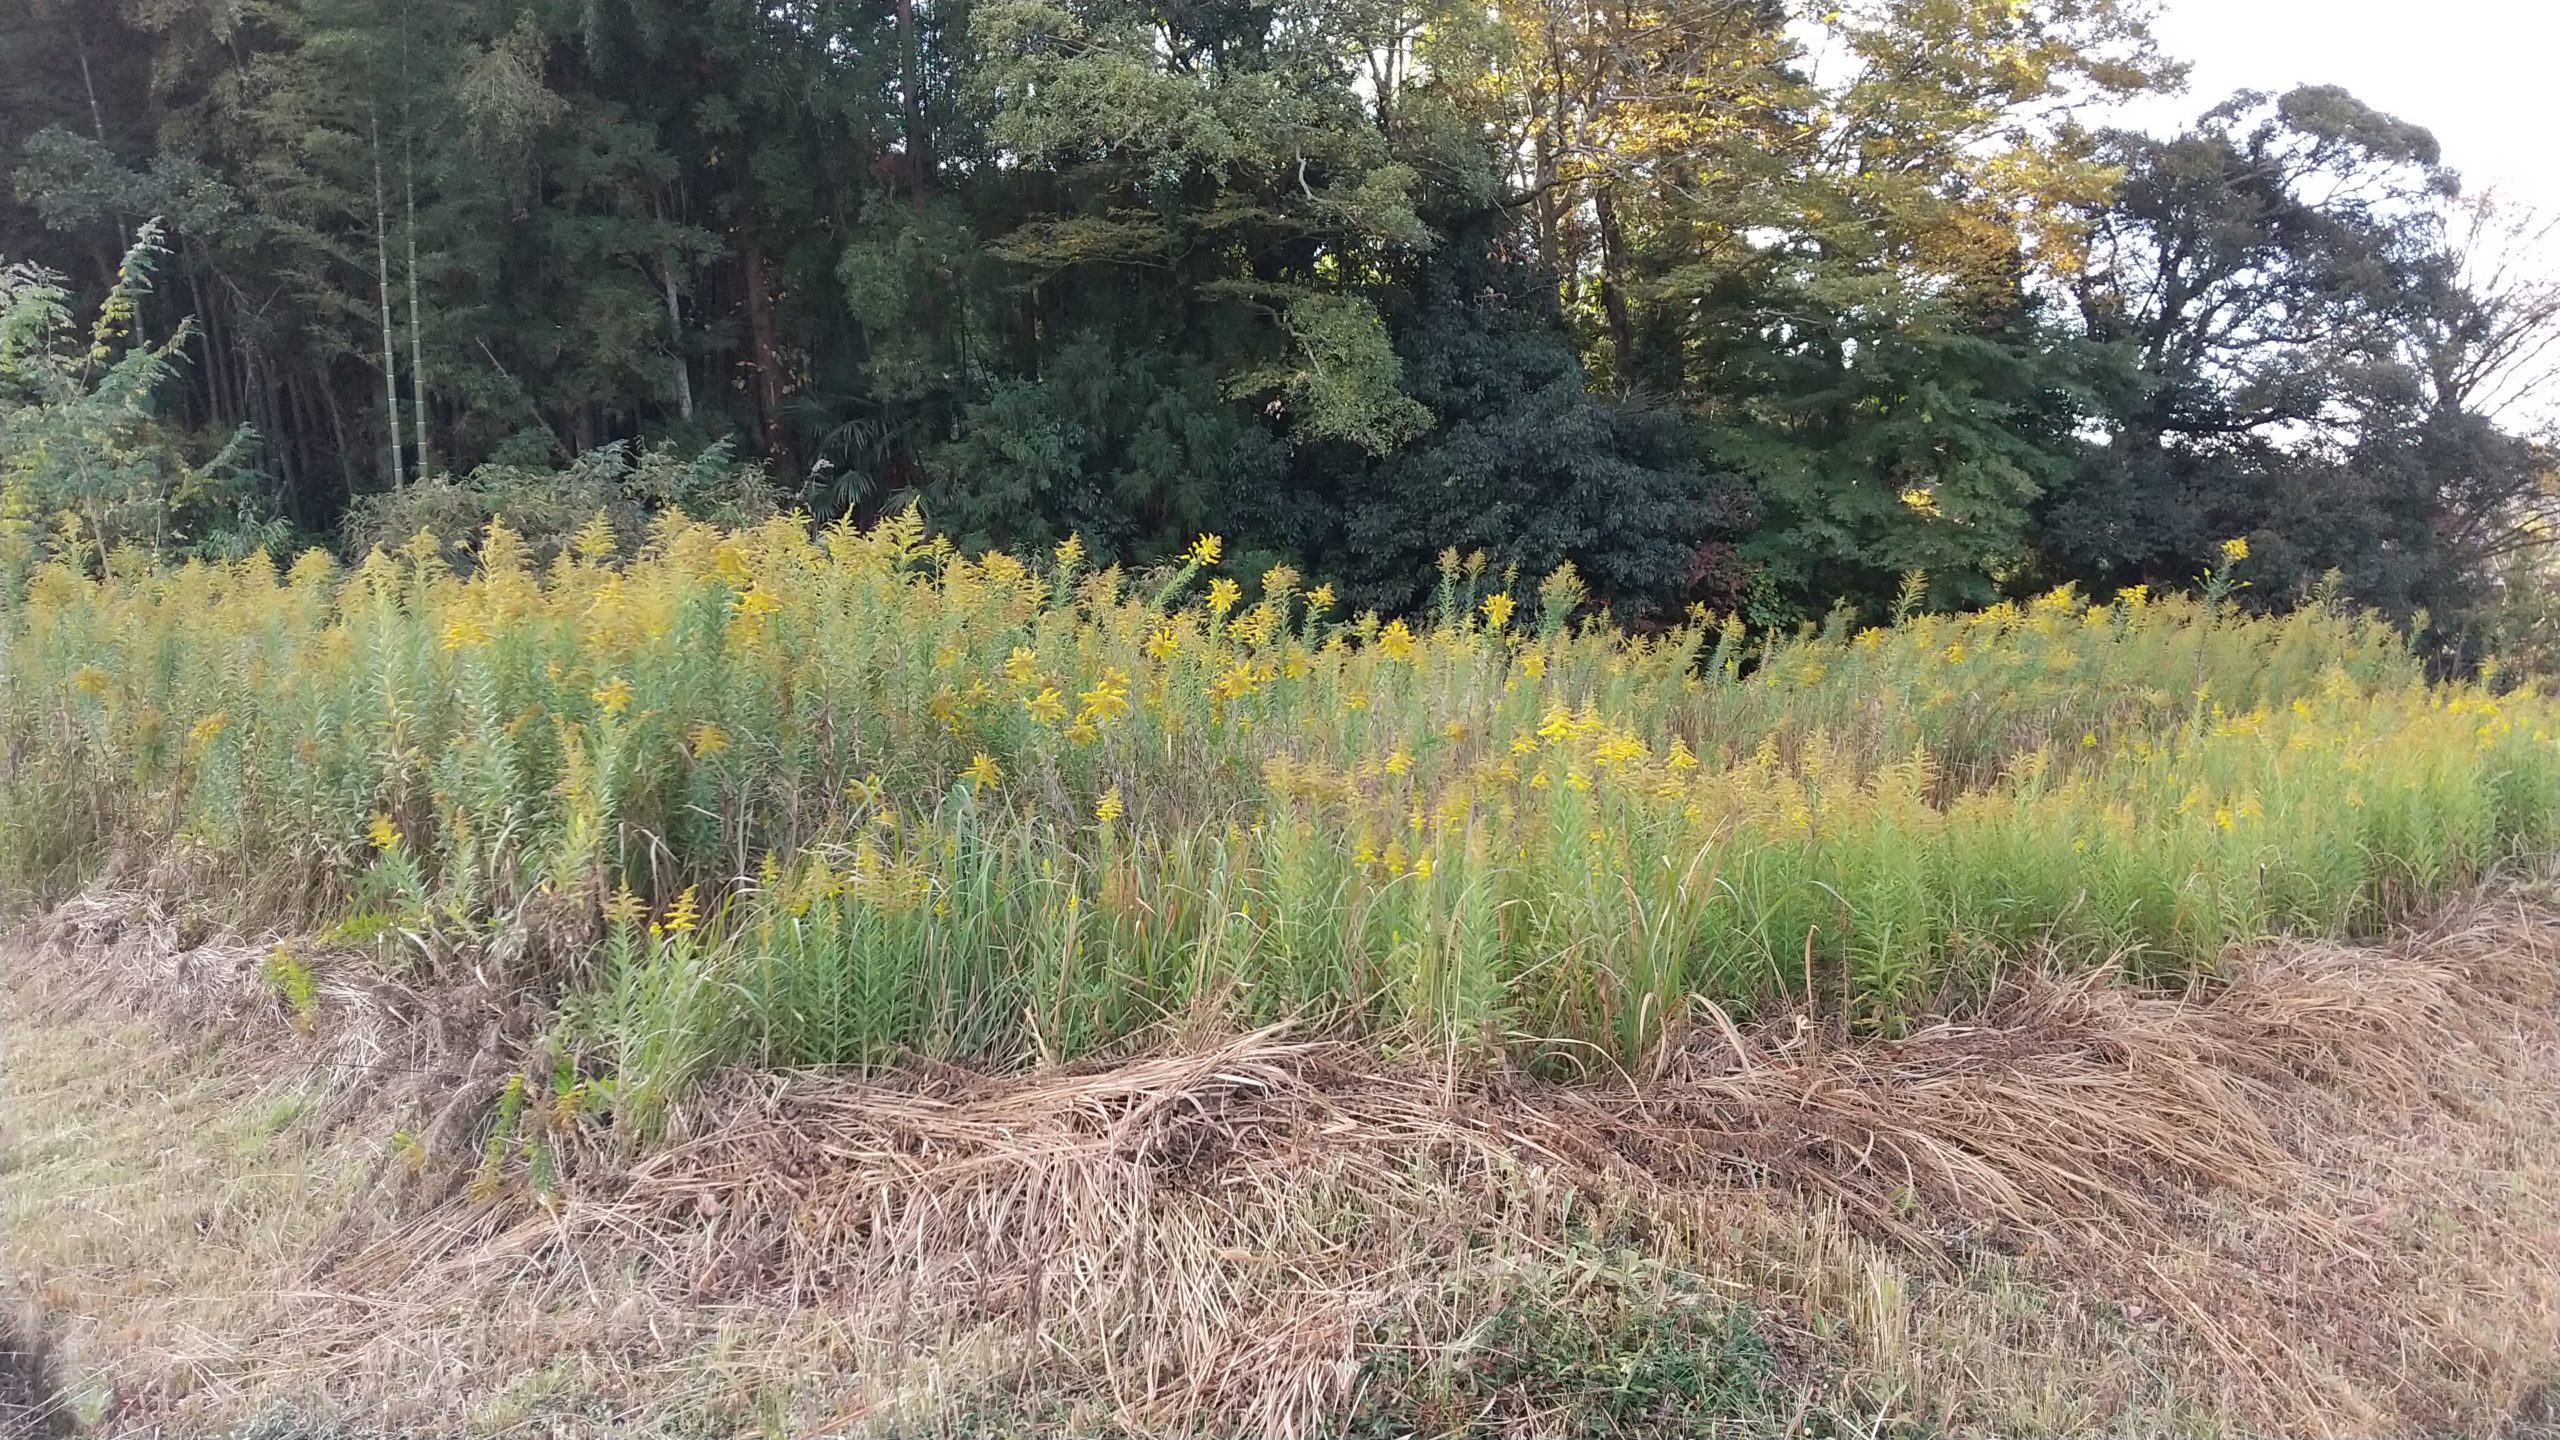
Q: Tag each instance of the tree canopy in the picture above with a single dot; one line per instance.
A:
(1746, 304)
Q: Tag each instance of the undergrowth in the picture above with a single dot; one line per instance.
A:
(835, 798)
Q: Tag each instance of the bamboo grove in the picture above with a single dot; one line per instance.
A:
(842, 795)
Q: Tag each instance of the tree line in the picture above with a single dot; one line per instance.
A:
(1745, 304)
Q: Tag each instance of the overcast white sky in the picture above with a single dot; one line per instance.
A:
(2484, 75)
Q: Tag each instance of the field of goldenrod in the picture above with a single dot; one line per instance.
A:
(833, 797)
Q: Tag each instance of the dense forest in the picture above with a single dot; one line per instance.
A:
(1745, 305)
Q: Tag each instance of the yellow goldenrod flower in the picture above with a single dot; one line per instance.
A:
(464, 632)
(707, 739)
(1396, 641)
(681, 919)
(1205, 550)
(1399, 762)
(595, 540)
(2235, 550)
(1107, 700)
(379, 830)
(613, 696)
(1497, 609)
(1223, 595)
(1320, 599)
(1107, 809)
(981, 772)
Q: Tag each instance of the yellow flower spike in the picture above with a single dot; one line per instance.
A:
(1107, 809)
(595, 541)
(1069, 553)
(2235, 550)
(1396, 641)
(379, 830)
(1399, 763)
(464, 632)
(1223, 595)
(1497, 610)
(982, 772)
(89, 680)
(1048, 707)
(1205, 551)
(613, 696)
(706, 739)
(1107, 700)
(1320, 599)
(685, 915)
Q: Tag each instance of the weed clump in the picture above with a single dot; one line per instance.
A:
(838, 798)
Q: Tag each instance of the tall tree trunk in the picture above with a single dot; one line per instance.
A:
(97, 116)
(218, 405)
(675, 340)
(417, 346)
(1613, 282)
(382, 288)
(338, 429)
(269, 415)
(911, 101)
(765, 343)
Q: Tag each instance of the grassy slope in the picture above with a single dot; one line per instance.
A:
(1265, 1237)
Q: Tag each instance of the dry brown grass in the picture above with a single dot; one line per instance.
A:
(2319, 1200)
